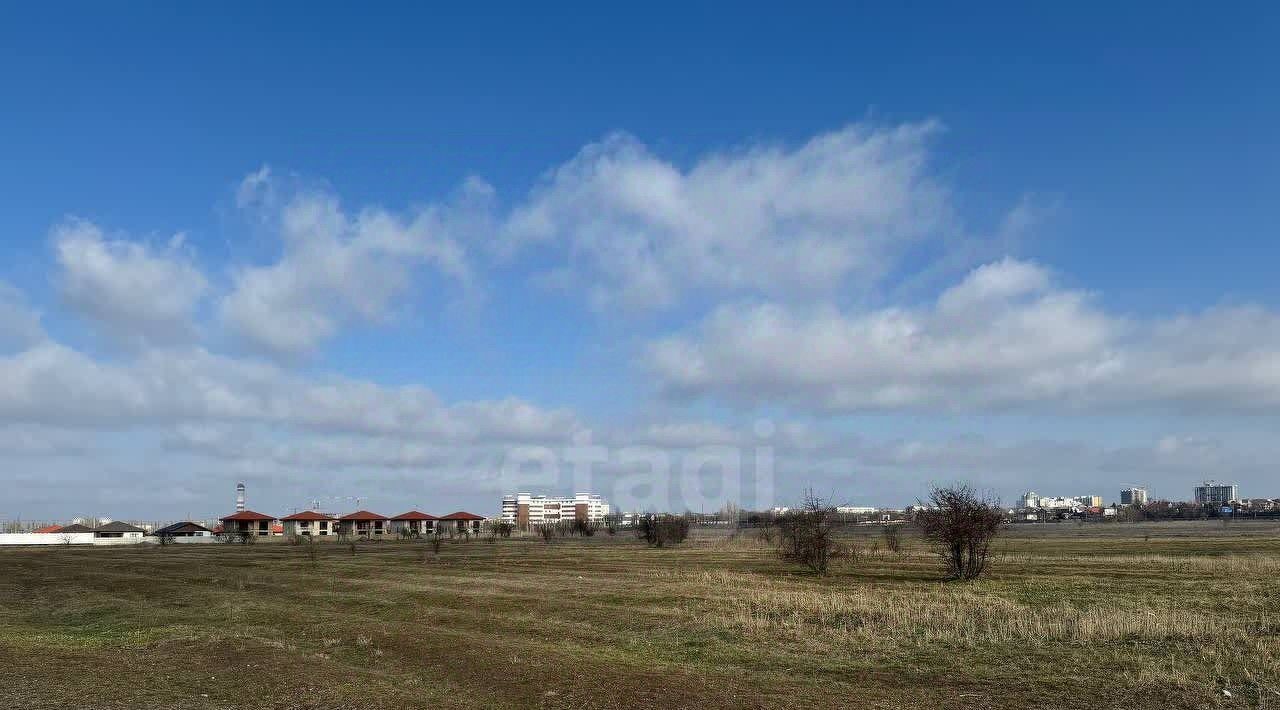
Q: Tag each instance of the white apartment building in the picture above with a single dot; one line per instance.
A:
(1031, 499)
(1214, 492)
(1133, 496)
(525, 509)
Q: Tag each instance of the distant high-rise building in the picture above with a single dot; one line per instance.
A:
(1214, 492)
(1133, 496)
(240, 497)
(524, 509)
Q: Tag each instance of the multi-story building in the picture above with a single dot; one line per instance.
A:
(1031, 499)
(1133, 496)
(525, 510)
(1214, 492)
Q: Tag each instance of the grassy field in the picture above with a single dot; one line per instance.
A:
(1136, 616)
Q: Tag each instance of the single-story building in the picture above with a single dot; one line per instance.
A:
(247, 522)
(309, 522)
(185, 528)
(362, 523)
(415, 522)
(118, 529)
(74, 528)
(461, 520)
(47, 529)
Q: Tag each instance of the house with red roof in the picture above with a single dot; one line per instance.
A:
(247, 522)
(48, 529)
(309, 522)
(460, 521)
(413, 523)
(362, 523)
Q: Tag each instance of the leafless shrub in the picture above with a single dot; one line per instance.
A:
(961, 524)
(501, 528)
(547, 532)
(892, 535)
(165, 539)
(406, 533)
(243, 537)
(312, 549)
(663, 530)
(805, 535)
(766, 534)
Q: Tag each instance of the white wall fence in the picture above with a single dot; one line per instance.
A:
(89, 539)
(193, 540)
(84, 538)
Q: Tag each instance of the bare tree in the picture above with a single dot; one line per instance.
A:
(547, 532)
(312, 547)
(663, 530)
(961, 524)
(892, 538)
(806, 534)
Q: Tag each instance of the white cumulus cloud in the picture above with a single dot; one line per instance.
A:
(129, 289)
(1004, 336)
(336, 267)
(641, 232)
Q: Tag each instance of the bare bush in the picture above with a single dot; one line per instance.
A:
(766, 534)
(892, 535)
(961, 524)
(406, 533)
(805, 535)
(502, 528)
(663, 530)
(312, 548)
(547, 532)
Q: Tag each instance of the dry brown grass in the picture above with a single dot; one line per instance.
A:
(1162, 620)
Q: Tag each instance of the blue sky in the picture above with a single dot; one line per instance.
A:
(1032, 247)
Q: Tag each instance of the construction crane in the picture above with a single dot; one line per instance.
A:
(328, 501)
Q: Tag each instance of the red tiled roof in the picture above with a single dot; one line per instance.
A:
(363, 515)
(307, 515)
(246, 515)
(48, 529)
(414, 515)
(277, 528)
(462, 515)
